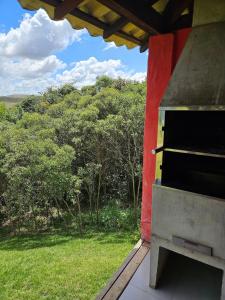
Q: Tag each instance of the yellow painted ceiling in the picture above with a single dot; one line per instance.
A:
(102, 13)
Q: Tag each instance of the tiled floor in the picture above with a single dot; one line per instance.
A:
(183, 279)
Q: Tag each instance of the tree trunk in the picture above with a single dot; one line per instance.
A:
(98, 196)
(79, 216)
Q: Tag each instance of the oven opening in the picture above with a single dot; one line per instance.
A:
(194, 152)
(197, 131)
(191, 279)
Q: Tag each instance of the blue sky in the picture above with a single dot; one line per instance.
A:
(36, 52)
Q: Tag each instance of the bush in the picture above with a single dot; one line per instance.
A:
(114, 217)
(74, 152)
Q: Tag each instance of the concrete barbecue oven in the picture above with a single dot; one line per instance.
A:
(189, 194)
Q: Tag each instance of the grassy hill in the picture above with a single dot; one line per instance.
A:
(12, 99)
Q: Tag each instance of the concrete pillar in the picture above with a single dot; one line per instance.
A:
(160, 65)
(164, 52)
(208, 11)
(158, 259)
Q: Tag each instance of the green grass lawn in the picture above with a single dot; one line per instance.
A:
(60, 266)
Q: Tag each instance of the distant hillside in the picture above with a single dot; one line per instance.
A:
(11, 100)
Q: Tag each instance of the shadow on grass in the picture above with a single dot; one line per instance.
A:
(52, 239)
(116, 238)
(31, 242)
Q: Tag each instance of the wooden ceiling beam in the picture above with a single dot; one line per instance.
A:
(151, 2)
(65, 7)
(174, 9)
(138, 12)
(144, 47)
(105, 27)
(119, 24)
(145, 44)
(96, 22)
(184, 21)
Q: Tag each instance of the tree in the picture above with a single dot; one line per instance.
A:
(38, 174)
(88, 175)
(103, 82)
(66, 89)
(69, 152)
(29, 103)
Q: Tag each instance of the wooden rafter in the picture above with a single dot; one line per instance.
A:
(151, 2)
(174, 9)
(65, 7)
(144, 47)
(145, 44)
(184, 21)
(119, 24)
(96, 22)
(138, 12)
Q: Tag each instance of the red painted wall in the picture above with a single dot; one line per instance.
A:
(164, 51)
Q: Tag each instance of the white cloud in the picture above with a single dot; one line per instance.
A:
(28, 76)
(32, 86)
(139, 76)
(28, 63)
(110, 45)
(82, 73)
(38, 37)
(28, 68)
(85, 72)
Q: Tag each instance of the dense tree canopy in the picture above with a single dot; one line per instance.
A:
(71, 151)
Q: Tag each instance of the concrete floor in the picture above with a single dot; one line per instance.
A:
(183, 279)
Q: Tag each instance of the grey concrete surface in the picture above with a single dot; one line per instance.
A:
(182, 279)
(198, 78)
(208, 11)
(191, 216)
(197, 219)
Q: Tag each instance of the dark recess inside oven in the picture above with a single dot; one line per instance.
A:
(195, 130)
(199, 174)
(194, 152)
